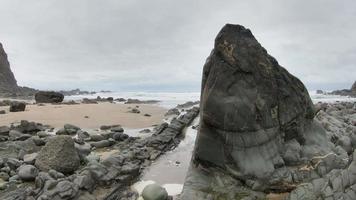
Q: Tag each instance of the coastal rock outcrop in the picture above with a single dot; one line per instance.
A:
(346, 92)
(48, 97)
(353, 88)
(256, 124)
(8, 82)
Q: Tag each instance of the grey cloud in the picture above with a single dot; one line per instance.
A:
(159, 44)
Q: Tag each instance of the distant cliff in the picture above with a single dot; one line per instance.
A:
(346, 92)
(7, 78)
(8, 83)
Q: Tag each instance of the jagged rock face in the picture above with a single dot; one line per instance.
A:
(250, 105)
(353, 88)
(256, 125)
(7, 78)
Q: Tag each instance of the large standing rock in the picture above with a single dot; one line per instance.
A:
(251, 107)
(48, 97)
(353, 88)
(59, 154)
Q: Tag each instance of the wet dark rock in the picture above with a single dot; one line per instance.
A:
(117, 129)
(16, 106)
(120, 99)
(320, 92)
(2, 112)
(147, 115)
(120, 136)
(58, 154)
(137, 101)
(48, 97)
(89, 101)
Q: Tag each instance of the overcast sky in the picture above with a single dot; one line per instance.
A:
(161, 45)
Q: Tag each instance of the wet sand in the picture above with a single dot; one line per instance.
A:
(98, 114)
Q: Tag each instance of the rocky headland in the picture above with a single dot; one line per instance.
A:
(346, 92)
(8, 83)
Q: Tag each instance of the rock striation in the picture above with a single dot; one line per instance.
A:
(256, 124)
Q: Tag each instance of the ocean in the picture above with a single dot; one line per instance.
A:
(172, 99)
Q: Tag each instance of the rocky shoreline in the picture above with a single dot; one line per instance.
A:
(28, 170)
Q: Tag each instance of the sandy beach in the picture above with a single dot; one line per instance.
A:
(98, 114)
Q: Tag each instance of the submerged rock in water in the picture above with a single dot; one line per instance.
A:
(256, 120)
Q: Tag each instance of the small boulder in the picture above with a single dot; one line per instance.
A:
(16, 106)
(4, 130)
(16, 135)
(27, 172)
(120, 136)
(116, 129)
(154, 192)
(71, 129)
(30, 158)
(83, 134)
(2, 112)
(135, 110)
(59, 154)
(48, 97)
